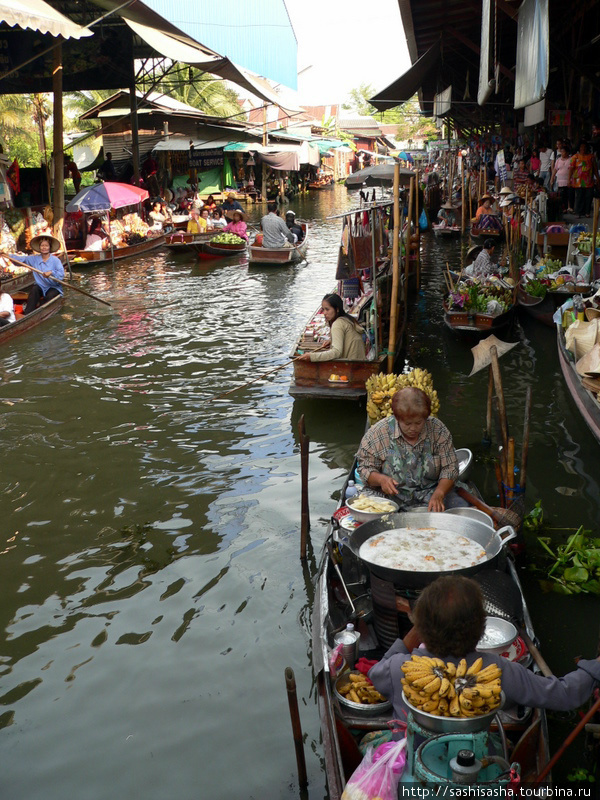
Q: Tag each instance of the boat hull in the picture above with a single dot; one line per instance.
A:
(476, 325)
(222, 250)
(280, 256)
(586, 404)
(186, 242)
(311, 378)
(29, 321)
(91, 258)
(479, 236)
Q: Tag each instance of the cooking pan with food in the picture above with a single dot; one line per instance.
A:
(489, 544)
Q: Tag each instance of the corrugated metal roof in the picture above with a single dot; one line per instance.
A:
(257, 36)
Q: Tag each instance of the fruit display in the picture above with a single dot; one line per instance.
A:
(445, 689)
(536, 288)
(547, 266)
(226, 238)
(584, 243)
(476, 298)
(381, 388)
(359, 689)
(341, 378)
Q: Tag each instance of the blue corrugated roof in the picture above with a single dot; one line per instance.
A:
(255, 35)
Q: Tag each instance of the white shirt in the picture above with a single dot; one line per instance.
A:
(545, 158)
(6, 304)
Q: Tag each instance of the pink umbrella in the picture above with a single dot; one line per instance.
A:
(103, 196)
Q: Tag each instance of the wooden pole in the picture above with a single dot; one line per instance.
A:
(135, 139)
(510, 463)
(463, 196)
(395, 271)
(525, 446)
(304, 510)
(594, 234)
(500, 395)
(290, 683)
(409, 217)
(418, 228)
(488, 415)
(58, 200)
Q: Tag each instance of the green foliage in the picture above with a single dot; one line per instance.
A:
(411, 124)
(576, 567)
(198, 89)
(534, 521)
(332, 131)
(579, 774)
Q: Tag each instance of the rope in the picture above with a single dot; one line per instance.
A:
(517, 489)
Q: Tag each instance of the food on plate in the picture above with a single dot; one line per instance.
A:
(334, 377)
(359, 689)
(445, 689)
(373, 505)
(422, 550)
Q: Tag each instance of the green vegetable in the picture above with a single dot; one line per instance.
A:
(227, 238)
(576, 565)
(536, 288)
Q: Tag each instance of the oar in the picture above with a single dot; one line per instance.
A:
(501, 516)
(268, 372)
(62, 283)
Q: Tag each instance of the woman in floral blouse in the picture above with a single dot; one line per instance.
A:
(583, 175)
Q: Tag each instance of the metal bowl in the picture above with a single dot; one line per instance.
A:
(465, 461)
(369, 516)
(452, 724)
(499, 635)
(359, 709)
(472, 513)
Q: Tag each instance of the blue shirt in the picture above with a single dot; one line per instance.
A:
(53, 264)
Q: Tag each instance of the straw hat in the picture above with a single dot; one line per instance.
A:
(486, 197)
(592, 313)
(231, 195)
(506, 190)
(589, 364)
(481, 352)
(449, 206)
(237, 211)
(35, 242)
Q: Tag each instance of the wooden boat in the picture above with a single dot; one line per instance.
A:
(26, 322)
(584, 399)
(322, 184)
(20, 281)
(446, 230)
(90, 258)
(279, 256)
(208, 249)
(181, 242)
(479, 235)
(465, 323)
(543, 308)
(342, 729)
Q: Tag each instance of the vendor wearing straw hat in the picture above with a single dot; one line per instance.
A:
(230, 205)
(237, 225)
(45, 287)
(446, 214)
(485, 217)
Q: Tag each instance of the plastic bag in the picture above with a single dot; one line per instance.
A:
(423, 221)
(378, 774)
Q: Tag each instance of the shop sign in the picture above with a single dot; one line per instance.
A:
(206, 159)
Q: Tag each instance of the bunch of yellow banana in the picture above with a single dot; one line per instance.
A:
(381, 388)
(446, 689)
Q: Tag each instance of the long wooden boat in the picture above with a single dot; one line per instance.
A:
(527, 738)
(90, 258)
(20, 281)
(479, 235)
(466, 324)
(543, 308)
(181, 242)
(322, 184)
(584, 399)
(279, 256)
(25, 322)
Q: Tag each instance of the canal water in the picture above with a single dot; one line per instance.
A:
(152, 591)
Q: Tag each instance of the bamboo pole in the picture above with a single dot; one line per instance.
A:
(290, 683)
(594, 234)
(58, 199)
(488, 415)
(501, 407)
(409, 217)
(304, 509)
(510, 464)
(395, 271)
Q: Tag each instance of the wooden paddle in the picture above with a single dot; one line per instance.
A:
(62, 283)
(501, 516)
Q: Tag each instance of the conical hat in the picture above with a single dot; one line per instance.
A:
(449, 206)
(589, 364)
(481, 352)
(592, 313)
(506, 190)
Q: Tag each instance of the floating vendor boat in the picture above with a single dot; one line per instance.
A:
(216, 247)
(540, 296)
(279, 256)
(583, 388)
(181, 242)
(465, 310)
(479, 235)
(376, 600)
(446, 230)
(90, 258)
(26, 322)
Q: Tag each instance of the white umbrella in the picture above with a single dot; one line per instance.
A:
(39, 16)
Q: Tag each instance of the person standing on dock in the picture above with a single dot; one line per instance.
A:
(274, 228)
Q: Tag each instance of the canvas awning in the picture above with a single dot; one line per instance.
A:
(408, 84)
(36, 15)
(177, 46)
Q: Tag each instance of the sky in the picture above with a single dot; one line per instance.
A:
(346, 43)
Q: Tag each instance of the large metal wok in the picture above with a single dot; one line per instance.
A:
(490, 540)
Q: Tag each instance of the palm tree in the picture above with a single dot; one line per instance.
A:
(198, 89)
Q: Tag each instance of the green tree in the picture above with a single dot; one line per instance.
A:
(411, 123)
(22, 120)
(331, 130)
(198, 89)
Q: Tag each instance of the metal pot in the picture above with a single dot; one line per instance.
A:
(490, 540)
(471, 513)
